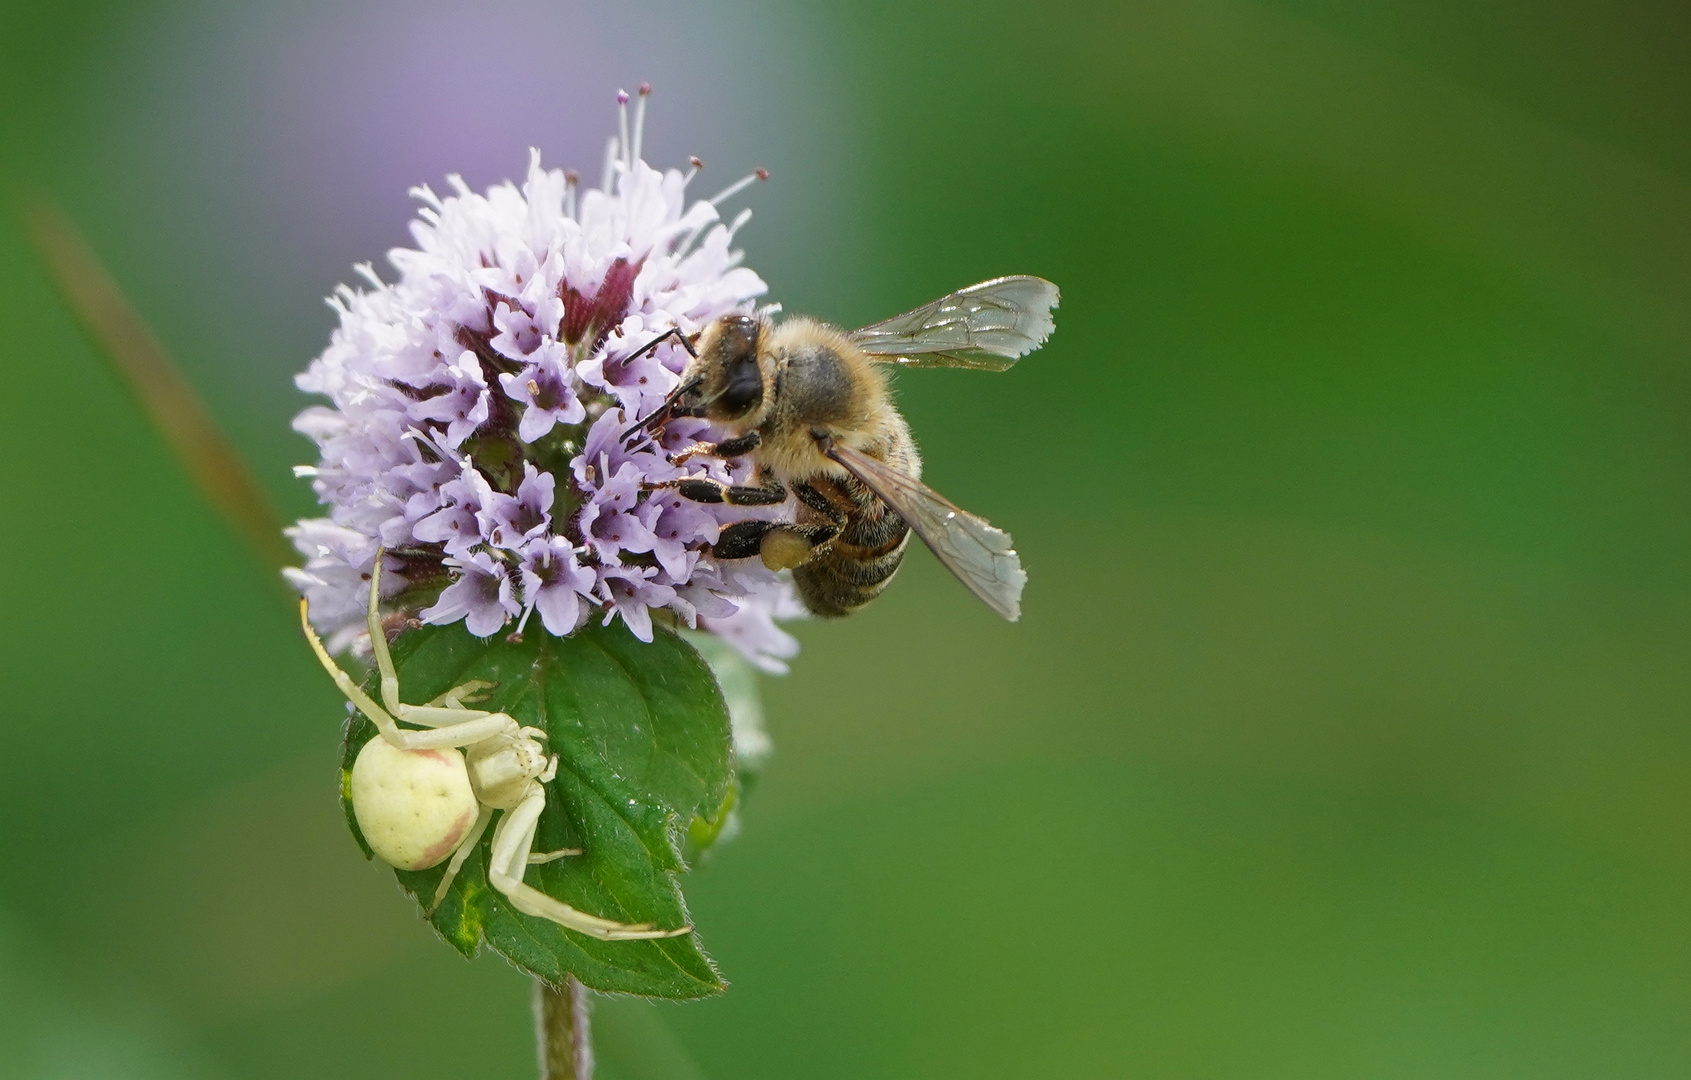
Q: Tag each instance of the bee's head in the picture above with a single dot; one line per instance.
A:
(729, 377)
(724, 380)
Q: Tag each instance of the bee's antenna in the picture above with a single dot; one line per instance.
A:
(634, 436)
(739, 185)
(672, 332)
(660, 415)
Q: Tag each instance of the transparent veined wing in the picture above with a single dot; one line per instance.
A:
(986, 327)
(979, 554)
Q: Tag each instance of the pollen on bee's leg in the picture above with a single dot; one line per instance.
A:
(784, 549)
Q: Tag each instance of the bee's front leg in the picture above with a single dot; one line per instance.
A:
(738, 446)
(770, 493)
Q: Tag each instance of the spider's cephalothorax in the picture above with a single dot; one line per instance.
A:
(420, 801)
(502, 767)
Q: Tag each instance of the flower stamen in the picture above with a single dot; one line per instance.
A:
(639, 122)
(738, 186)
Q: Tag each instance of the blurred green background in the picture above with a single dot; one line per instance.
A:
(1346, 730)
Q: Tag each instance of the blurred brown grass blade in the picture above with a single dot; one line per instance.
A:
(212, 462)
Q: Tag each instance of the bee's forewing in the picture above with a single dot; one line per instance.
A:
(986, 326)
(979, 554)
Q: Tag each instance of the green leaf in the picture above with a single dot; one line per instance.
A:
(642, 737)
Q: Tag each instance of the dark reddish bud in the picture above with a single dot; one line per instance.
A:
(593, 316)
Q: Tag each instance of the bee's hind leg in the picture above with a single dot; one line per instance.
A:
(742, 539)
(781, 546)
(821, 504)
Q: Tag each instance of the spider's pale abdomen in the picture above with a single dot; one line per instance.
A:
(414, 807)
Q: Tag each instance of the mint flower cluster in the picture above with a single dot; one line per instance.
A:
(477, 406)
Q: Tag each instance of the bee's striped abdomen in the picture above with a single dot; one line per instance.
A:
(852, 569)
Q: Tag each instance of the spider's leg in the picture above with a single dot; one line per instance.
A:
(453, 698)
(461, 728)
(379, 639)
(437, 717)
(365, 703)
(512, 840)
(464, 848)
(457, 727)
(458, 695)
(552, 856)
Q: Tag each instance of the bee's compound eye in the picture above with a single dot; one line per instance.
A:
(743, 389)
(735, 337)
(732, 356)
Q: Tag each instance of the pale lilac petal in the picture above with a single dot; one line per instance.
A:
(561, 610)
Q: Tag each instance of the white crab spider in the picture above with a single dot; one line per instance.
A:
(418, 800)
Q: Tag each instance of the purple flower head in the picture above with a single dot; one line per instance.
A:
(509, 521)
(477, 406)
(519, 335)
(632, 592)
(461, 403)
(458, 524)
(675, 523)
(482, 596)
(639, 378)
(609, 522)
(543, 385)
(557, 585)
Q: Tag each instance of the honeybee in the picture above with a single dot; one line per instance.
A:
(810, 401)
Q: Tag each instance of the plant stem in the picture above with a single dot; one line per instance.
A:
(562, 1031)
